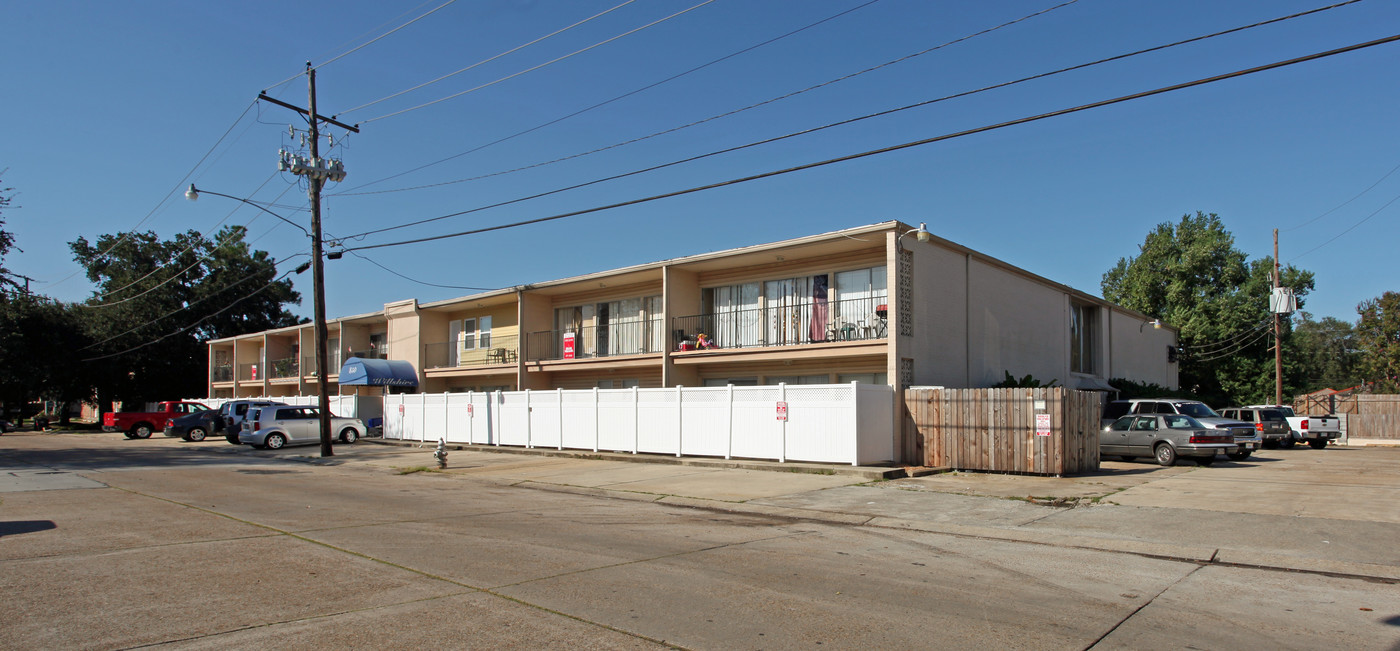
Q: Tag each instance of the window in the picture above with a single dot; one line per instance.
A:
(736, 381)
(797, 379)
(475, 333)
(618, 384)
(863, 378)
(1083, 338)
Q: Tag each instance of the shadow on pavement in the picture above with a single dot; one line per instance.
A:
(17, 527)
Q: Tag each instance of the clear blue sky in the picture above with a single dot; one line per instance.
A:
(109, 105)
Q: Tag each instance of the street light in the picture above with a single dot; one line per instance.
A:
(319, 283)
(922, 235)
(1155, 323)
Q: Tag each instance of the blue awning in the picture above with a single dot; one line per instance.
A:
(378, 372)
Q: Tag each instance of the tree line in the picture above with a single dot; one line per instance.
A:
(141, 335)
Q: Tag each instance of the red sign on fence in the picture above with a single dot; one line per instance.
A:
(568, 345)
(782, 411)
(1042, 424)
(469, 410)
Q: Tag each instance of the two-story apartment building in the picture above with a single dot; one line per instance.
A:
(882, 303)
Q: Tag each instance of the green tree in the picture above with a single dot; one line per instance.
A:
(39, 343)
(1191, 275)
(1327, 353)
(157, 302)
(1378, 334)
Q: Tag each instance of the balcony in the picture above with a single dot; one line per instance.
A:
(632, 338)
(308, 362)
(857, 319)
(250, 373)
(481, 350)
(221, 373)
(286, 367)
(373, 352)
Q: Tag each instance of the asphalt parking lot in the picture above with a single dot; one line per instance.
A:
(112, 543)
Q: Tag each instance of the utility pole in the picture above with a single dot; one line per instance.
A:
(316, 171)
(1278, 348)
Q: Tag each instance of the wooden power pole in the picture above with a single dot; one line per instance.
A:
(1278, 347)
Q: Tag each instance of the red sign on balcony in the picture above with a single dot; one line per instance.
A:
(568, 345)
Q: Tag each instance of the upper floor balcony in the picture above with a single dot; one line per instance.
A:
(481, 349)
(812, 322)
(333, 361)
(221, 373)
(287, 367)
(589, 342)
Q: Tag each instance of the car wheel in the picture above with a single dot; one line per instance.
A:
(1165, 454)
(1205, 461)
(196, 434)
(1286, 443)
(349, 435)
(232, 439)
(141, 431)
(1238, 456)
(1317, 444)
(274, 441)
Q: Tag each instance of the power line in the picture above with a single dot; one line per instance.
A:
(189, 305)
(813, 129)
(363, 45)
(533, 68)
(164, 199)
(692, 124)
(196, 323)
(192, 265)
(1214, 346)
(907, 145)
(488, 60)
(1260, 337)
(1344, 203)
(420, 282)
(1348, 230)
(187, 249)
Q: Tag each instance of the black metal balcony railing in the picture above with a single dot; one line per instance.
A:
(308, 363)
(370, 353)
(284, 368)
(221, 373)
(478, 350)
(632, 338)
(791, 325)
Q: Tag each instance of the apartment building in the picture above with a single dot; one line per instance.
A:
(884, 303)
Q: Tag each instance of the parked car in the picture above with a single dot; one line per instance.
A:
(234, 412)
(1316, 430)
(1270, 424)
(1247, 439)
(274, 426)
(193, 427)
(1165, 437)
(6, 426)
(140, 424)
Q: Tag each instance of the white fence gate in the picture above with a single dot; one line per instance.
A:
(825, 423)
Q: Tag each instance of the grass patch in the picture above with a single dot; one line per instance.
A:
(409, 471)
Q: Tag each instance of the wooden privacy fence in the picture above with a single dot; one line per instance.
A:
(1373, 416)
(1048, 431)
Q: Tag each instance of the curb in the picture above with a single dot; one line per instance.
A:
(868, 473)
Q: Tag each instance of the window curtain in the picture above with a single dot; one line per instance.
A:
(817, 329)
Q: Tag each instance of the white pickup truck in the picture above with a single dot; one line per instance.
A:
(1316, 430)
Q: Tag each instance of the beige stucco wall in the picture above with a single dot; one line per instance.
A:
(1139, 352)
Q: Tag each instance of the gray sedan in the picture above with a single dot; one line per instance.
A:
(1165, 437)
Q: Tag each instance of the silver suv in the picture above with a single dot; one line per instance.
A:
(232, 414)
(277, 425)
(1247, 439)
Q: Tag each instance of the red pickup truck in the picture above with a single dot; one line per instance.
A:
(140, 424)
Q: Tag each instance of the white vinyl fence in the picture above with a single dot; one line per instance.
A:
(825, 423)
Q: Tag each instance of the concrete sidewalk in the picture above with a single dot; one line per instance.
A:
(1330, 512)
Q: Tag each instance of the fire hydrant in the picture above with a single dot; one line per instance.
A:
(441, 454)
